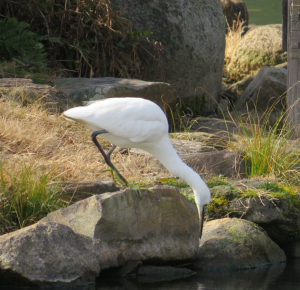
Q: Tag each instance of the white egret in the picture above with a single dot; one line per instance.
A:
(138, 123)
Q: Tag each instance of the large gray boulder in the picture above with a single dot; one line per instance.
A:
(236, 244)
(261, 46)
(47, 254)
(160, 224)
(193, 41)
(85, 90)
(266, 90)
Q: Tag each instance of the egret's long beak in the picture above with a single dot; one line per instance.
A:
(201, 216)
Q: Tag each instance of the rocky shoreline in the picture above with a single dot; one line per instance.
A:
(125, 230)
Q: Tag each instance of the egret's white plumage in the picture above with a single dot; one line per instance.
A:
(139, 123)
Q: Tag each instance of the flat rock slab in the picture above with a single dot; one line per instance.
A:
(47, 254)
(85, 90)
(160, 225)
(219, 127)
(236, 244)
(26, 91)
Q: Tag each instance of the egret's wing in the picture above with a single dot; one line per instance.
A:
(130, 118)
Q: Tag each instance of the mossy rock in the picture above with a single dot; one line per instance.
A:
(236, 244)
(275, 210)
(261, 46)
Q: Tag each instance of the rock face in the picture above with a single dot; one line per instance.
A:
(160, 225)
(219, 127)
(261, 46)
(85, 90)
(28, 92)
(235, 11)
(236, 244)
(265, 90)
(47, 254)
(193, 42)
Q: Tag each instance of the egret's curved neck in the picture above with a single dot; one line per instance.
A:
(168, 156)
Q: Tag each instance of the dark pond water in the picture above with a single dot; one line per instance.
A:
(264, 11)
(278, 277)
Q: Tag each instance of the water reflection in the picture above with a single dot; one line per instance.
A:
(264, 11)
(277, 277)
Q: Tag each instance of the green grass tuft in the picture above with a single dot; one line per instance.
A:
(174, 182)
(26, 197)
(215, 181)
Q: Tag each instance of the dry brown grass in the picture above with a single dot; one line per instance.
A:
(232, 39)
(33, 137)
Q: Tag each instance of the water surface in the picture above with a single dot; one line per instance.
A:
(264, 11)
(277, 277)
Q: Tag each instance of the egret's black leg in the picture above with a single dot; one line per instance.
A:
(110, 151)
(201, 222)
(107, 158)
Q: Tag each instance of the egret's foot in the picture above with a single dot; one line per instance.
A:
(107, 156)
(118, 180)
(139, 189)
(115, 177)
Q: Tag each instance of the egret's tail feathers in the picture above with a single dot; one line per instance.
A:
(81, 115)
(68, 118)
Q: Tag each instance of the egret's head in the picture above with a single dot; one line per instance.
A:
(202, 196)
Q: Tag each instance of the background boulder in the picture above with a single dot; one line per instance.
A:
(193, 43)
(261, 46)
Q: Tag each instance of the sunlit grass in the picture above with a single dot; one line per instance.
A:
(25, 197)
(39, 149)
(269, 150)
